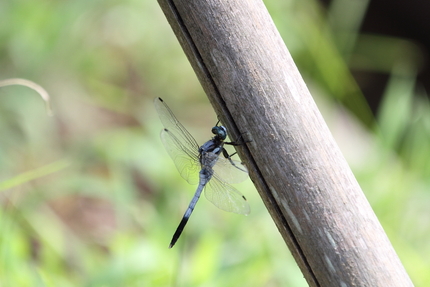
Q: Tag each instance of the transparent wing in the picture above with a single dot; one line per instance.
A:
(226, 197)
(171, 123)
(230, 171)
(179, 143)
(185, 159)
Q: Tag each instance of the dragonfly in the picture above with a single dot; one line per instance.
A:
(203, 165)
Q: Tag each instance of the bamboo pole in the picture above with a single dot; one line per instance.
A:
(294, 162)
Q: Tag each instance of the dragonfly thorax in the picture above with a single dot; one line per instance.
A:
(214, 146)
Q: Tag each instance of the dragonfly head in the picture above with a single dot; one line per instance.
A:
(220, 132)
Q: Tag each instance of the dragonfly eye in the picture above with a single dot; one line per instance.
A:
(220, 132)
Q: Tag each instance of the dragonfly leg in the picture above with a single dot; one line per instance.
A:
(227, 156)
(239, 141)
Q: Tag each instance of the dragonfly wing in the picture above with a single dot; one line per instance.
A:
(179, 143)
(185, 158)
(171, 123)
(230, 171)
(226, 197)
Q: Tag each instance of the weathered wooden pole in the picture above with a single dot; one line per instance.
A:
(302, 177)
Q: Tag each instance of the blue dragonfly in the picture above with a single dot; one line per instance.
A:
(203, 165)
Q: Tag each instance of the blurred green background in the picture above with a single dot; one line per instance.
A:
(89, 197)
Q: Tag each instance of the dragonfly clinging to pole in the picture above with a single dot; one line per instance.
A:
(203, 165)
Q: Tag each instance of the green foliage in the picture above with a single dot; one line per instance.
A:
(90, 198)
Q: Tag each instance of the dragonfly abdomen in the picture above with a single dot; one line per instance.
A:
(205, 175)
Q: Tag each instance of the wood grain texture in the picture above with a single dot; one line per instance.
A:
(299, 171)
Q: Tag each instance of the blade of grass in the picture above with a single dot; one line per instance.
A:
(34, 174)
